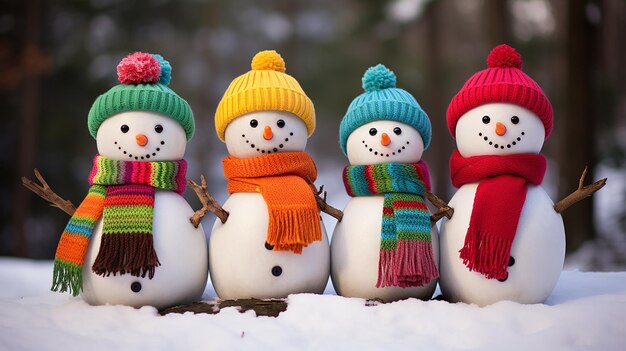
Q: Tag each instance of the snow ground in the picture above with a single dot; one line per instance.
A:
(585, 312)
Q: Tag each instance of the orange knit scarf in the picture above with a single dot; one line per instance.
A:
(294, 219)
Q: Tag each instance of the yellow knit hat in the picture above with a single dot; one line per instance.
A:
(265, 88)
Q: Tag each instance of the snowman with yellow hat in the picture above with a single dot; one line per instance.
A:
(272, 242)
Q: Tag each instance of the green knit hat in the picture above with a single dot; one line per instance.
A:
(145, 78)
(383, 101)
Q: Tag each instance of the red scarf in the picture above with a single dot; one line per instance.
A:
(503, 182)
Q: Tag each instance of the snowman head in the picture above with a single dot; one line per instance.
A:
(384, 141)
(141, 136)
(264, 110)
(384, 124)
(141, 119)
(265, 132)
(500, 110)
(499, 129)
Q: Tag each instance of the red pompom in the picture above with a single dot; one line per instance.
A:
(503, 56)
(139, 68)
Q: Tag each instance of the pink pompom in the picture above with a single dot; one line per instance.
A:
(139, 68)
(503, 56)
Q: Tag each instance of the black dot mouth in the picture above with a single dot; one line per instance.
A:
(266, 151)
(146, 156)
(502, 146)
(384, 154)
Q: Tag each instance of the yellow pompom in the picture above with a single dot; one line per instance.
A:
(268, 60)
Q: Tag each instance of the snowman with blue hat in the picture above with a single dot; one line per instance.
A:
(384, 247)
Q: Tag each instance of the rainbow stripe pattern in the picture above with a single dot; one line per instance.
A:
(122, 193)
(406, 256)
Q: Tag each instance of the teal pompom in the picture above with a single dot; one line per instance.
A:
(378, 77)
(166, 70)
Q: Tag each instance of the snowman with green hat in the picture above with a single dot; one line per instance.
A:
(131, 241)
(385, 247)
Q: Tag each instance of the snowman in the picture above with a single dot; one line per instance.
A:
(271, 243)
(506, 239)
(384, 247)
(131, 241)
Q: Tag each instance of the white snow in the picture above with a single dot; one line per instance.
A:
(585, 312)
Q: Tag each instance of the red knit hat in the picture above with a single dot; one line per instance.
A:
(503, 81)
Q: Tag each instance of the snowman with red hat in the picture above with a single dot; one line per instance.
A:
(506, 239)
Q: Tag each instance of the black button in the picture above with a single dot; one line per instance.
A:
(511, 261)
(276, 271)
(135, 287)
(505, 278)
(269, 246)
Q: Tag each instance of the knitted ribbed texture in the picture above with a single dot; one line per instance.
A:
(406, 255)
(122, 192)
(383, 101)
(503, 183)
(70, 254)
(264, 88)
(141, 92)
(281, 178)
(503, 81)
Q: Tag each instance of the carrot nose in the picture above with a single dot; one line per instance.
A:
(267, 133)
(384, 139)
(500, 129)
(141, 139)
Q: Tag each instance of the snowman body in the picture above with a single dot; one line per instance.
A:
(181, 278)
(356, 241)
(181, 249)
(538, 248)
(355, 251)
(242, 264)
(537, 253)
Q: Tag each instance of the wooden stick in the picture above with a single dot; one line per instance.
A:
(265, 307)
(320, 197)
(208, 203)
(580, 193)
(44, 191)
(443, 209)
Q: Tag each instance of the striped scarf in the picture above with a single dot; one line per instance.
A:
(122, 193)
(406, 255)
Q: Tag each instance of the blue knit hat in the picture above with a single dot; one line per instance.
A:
(383, 101)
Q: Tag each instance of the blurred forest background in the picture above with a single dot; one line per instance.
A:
(57, 56)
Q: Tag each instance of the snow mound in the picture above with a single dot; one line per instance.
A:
(586, 311)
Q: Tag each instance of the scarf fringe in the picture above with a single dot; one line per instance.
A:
(486, 253)
(411, 264)
(386, 264)
(291, 230)
(67, 276)
(126, 253)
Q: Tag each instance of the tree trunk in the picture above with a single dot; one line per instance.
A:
(440, 147)
(29, 110)
(498, 22)
(579, 131)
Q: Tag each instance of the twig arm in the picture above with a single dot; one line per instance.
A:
(209, 204)
(43, 190)
(443, 209)
(320, 197)
(582, 192)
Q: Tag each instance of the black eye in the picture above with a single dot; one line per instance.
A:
(397, 130)
(280, 123)
(486, 119)
(158, 128)
(254, 123)
(373, 131)
(124, 128)
(515, 120)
